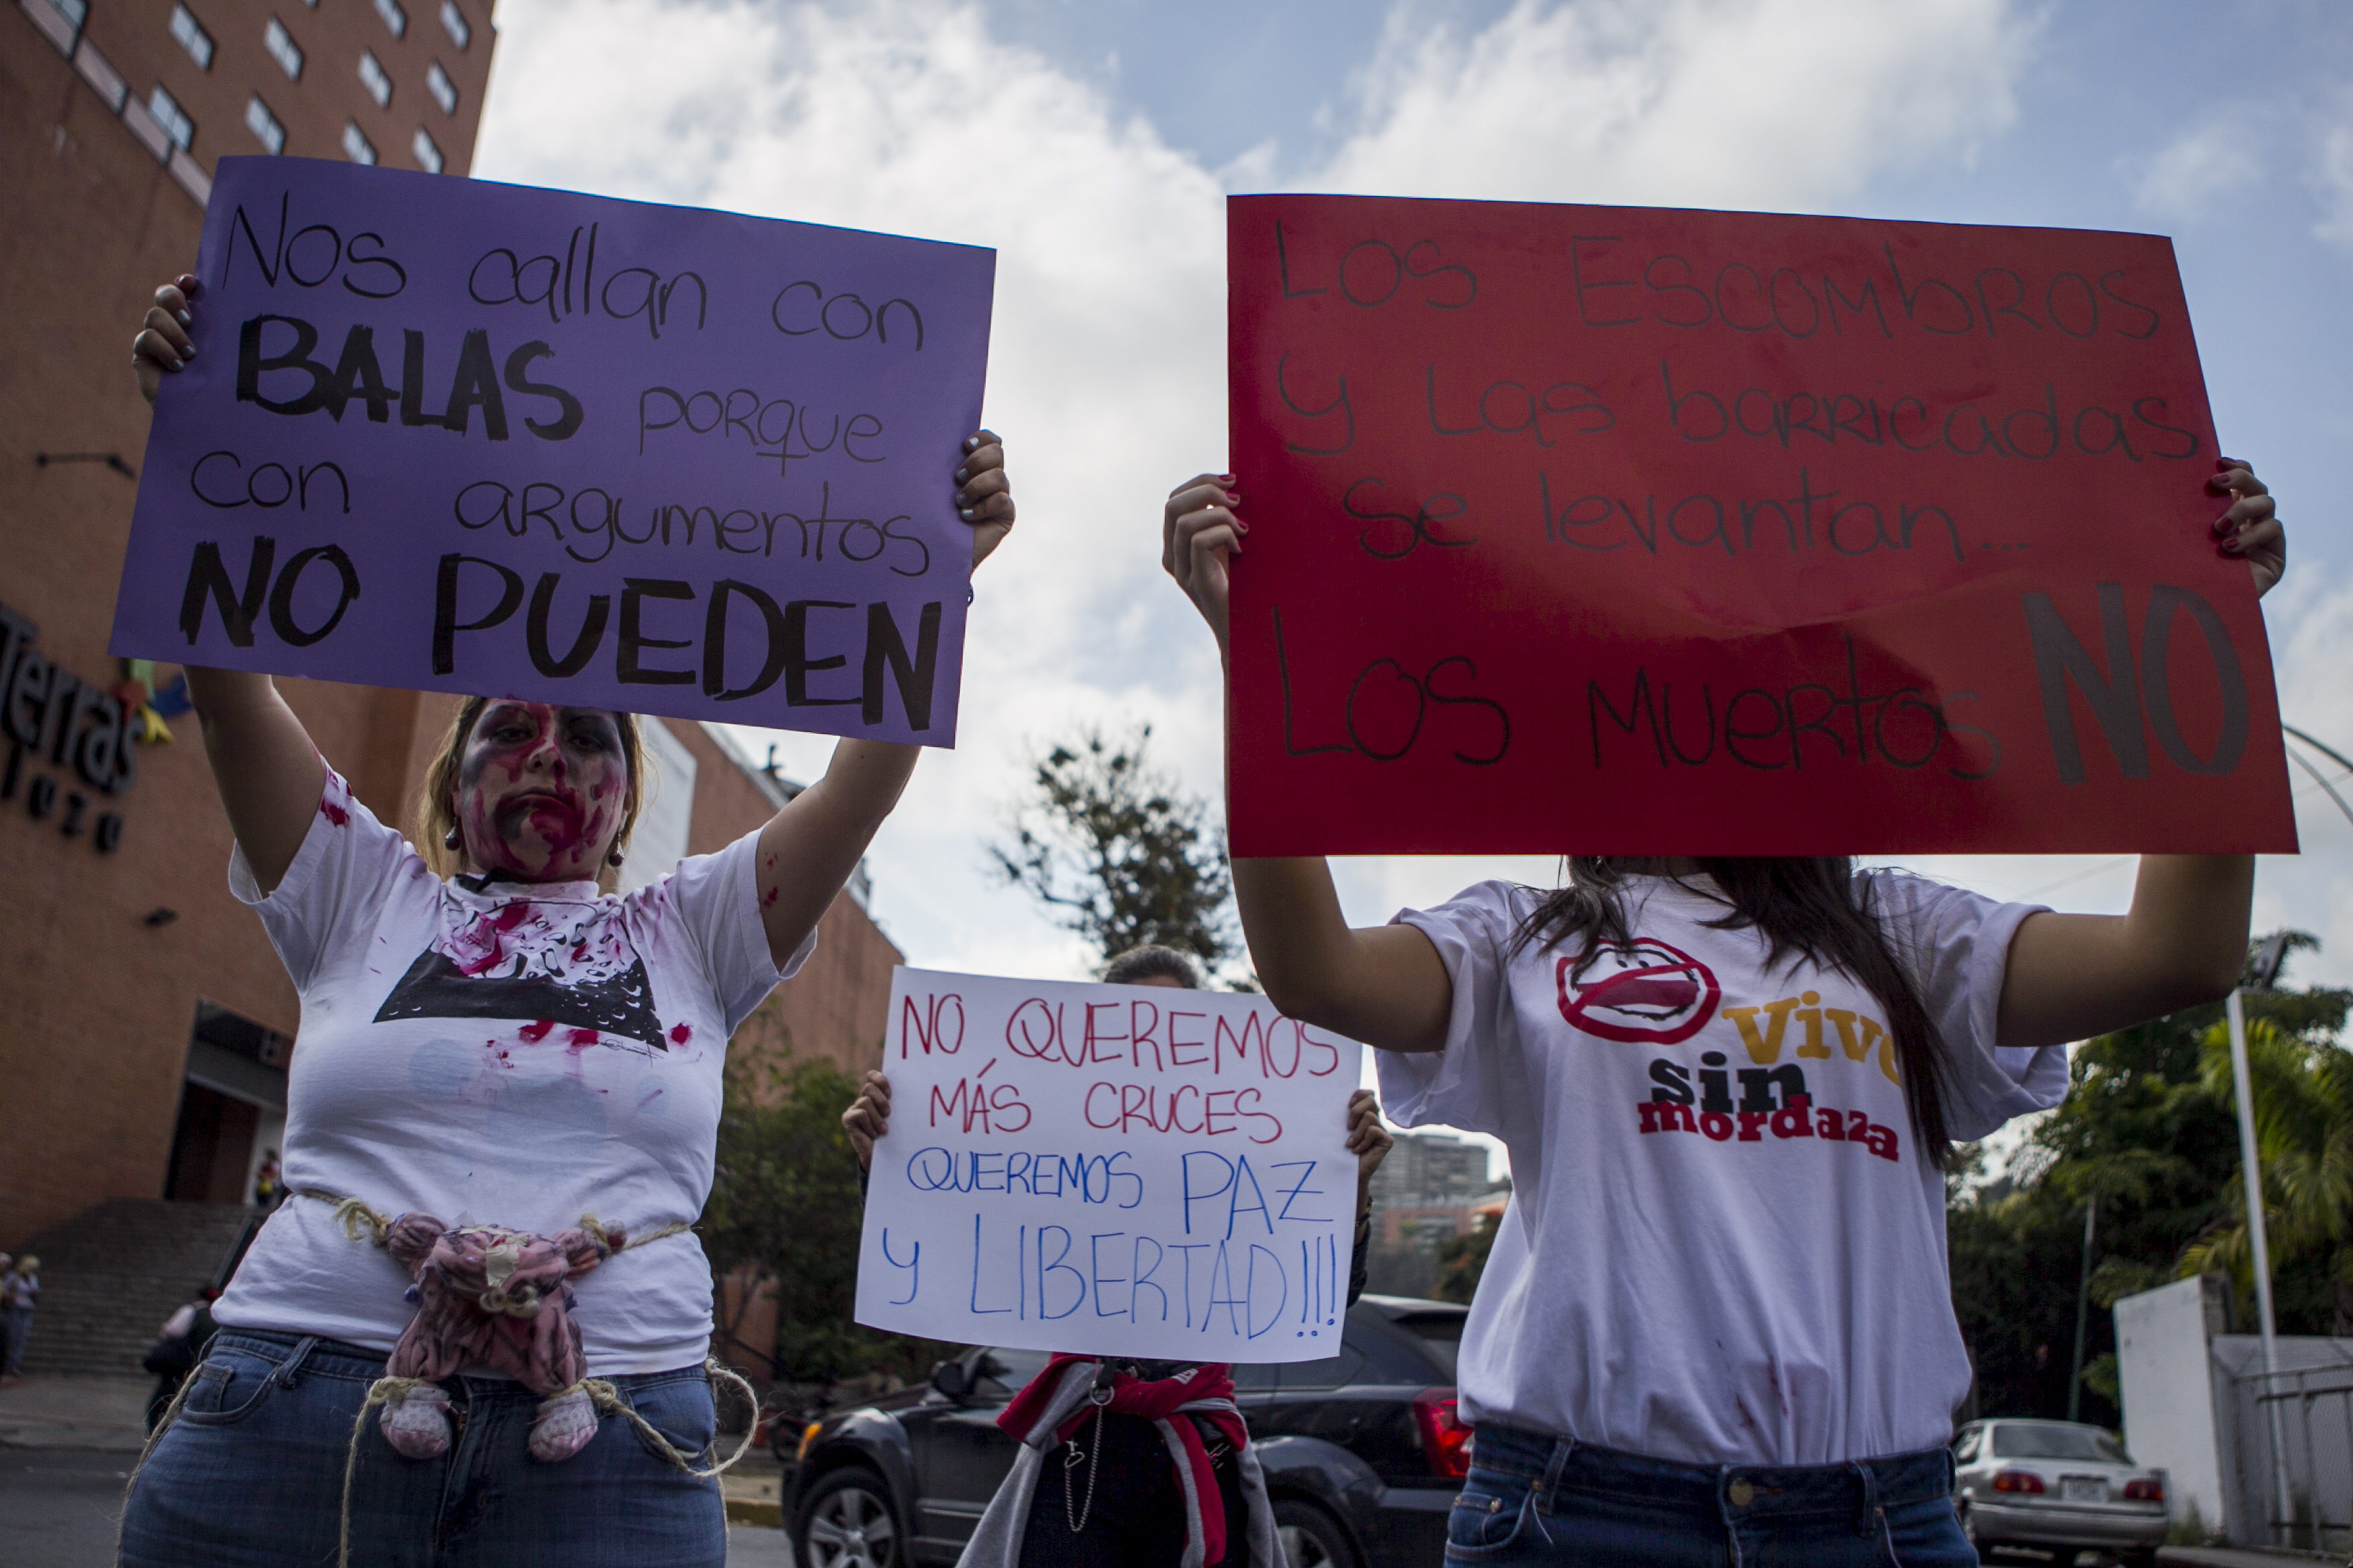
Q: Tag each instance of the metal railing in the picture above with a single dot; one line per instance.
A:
(2306, 1481)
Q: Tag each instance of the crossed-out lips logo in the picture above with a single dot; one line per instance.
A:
(1641, 991)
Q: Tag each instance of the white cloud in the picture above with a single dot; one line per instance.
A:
(1106, 368)
(2333, 181)
(2221, 153)
(1742, 103)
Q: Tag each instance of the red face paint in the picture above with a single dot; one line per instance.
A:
(541, 790)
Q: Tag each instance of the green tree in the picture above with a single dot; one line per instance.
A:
(1463, 1259)
(784, 1208)
(1118, 852)
(2304, 1148)
(2147, 1134)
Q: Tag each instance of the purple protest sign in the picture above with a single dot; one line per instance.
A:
(462, 437)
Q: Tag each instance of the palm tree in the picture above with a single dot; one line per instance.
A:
(2303, 1092)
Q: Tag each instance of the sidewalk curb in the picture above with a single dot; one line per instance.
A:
(756, 1511)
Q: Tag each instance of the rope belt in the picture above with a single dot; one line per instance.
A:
(490, 1297)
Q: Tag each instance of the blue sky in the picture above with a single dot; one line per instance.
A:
(1091, 141)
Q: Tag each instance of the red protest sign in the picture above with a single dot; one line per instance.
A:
(1615, 530)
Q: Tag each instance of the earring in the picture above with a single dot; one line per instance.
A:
(451, 839)
(613, 858)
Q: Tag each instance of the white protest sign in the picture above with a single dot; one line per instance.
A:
(1122, 1169)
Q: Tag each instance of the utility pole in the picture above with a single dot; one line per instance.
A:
(2083, 1312)
(2264, 970)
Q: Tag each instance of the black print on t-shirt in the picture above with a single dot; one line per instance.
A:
(547, 964)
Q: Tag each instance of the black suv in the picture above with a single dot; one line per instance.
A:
(1363, 1451)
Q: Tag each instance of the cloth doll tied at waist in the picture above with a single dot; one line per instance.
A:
(500, 1300)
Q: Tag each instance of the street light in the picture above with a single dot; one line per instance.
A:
(2263, 973)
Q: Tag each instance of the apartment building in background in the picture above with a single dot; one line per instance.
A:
(148, 1024)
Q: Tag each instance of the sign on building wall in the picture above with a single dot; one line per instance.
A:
(453, 435)
(1128, 1170)
(1617, 530)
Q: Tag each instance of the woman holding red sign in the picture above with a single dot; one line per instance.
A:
(436, 1350)
(1716, 1324)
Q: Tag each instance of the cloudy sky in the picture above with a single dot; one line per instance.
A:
(1092, 143)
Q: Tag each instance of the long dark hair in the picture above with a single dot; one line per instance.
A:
(1808, 907)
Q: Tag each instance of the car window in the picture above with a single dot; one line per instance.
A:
(1439, 1333)
(1332, 1371)
(1967, 1448)
(1255, 1377)
(2056, 1440)
(1003, 1371)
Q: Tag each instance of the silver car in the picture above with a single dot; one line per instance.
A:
(2056, 1484)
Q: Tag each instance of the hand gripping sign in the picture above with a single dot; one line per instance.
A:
(1125, 1170)
(454, 436)
(1614, 530)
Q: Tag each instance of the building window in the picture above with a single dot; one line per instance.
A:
(264, 124)
(394, 17)
(356, 146)
(193, 36)
(373, 78)
(454, 21)
(429, 156)
(444, 91)
(172, 118)
(283, 48)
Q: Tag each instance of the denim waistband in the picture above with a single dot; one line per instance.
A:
(308, 1355)
(1856, 1488)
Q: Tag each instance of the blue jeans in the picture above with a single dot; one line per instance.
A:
(15, 1322)
(1536, 1501)
(250, 1474)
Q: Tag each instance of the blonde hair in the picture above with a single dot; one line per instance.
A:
(436, 815)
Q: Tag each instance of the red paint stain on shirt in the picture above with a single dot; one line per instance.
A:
(533, 1033)
(581, 1039)
(680, 1035)
(334, 814)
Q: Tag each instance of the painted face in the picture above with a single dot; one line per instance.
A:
(542, 791)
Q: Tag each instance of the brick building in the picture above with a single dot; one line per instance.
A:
(146, 1024)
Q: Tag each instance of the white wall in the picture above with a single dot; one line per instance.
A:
(2163, 1370)
(658, 841)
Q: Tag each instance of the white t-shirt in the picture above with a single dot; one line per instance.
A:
(1691, 1266)
(517, 1056)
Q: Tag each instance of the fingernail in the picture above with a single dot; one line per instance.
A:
(962, 474)
(971, 442)
(1241, 526)
(967, 514)
(186, 319)
(189, 352)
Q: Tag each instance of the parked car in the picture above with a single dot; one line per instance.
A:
(1363, 1451)
(2056, 1486)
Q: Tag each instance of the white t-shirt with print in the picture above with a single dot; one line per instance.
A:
(520, 1056)
(1722, 1245)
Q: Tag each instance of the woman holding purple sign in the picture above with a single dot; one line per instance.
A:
(475, 1331)
(1716, 1325)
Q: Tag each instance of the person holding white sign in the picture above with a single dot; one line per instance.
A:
(1716, 1323)
(494, 1051)
(1155, 1469)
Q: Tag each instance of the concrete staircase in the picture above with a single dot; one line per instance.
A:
(110, 1275)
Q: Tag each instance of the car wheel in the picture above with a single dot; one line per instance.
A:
(1309, 1537)
(846, 1523)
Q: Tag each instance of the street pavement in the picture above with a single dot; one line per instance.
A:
(66, 1445)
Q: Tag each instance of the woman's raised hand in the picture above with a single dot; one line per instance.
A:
(1199, 536)
(162, 346)
(1369, 1141)
(2250, 529)
(984, 495)
(868, 1117)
